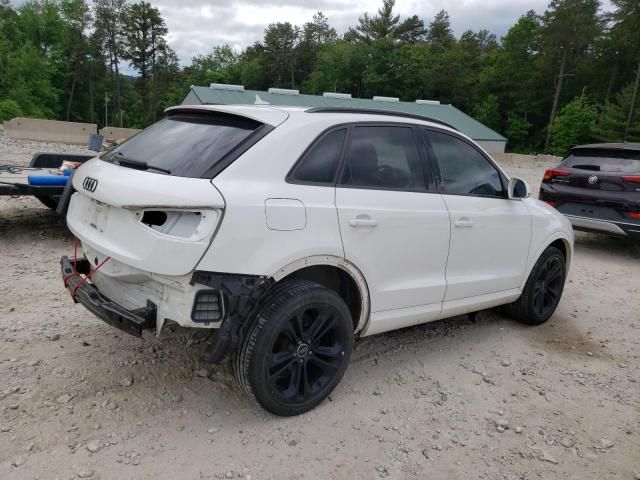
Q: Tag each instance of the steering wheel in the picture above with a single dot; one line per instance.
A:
(387, 176)
(484, 189)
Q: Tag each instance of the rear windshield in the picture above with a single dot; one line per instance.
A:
(184, 145)
(613, 161)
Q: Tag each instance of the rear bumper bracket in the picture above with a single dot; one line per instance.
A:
(132, 322)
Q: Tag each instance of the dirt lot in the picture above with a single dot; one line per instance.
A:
(454, 399)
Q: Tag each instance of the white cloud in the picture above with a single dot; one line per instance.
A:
(195, 26)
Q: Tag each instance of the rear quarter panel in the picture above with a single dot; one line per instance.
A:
(245, 243)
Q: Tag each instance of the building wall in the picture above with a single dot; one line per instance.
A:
(492, 146)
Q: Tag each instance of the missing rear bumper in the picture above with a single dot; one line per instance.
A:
(132, 322)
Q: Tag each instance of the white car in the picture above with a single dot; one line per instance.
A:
(289, 232)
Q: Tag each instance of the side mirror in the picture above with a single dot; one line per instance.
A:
(518, 189)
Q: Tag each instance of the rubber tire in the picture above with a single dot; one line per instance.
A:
(522, 309)
(51, 202)
(248, 360)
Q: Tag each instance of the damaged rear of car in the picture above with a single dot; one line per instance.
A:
(289, 232)
(145, 213)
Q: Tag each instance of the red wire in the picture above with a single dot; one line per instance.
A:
(75, 269)
(67, 277)
(75, 289)
(75, 263)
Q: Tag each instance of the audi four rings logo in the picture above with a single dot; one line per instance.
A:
(593, 180)
(90, 184)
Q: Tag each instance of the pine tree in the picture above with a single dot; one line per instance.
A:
(613, 118)
(570, 27)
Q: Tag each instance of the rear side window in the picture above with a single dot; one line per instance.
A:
(611, 161)
(319, 164)
(463, 169)
(383, 157)
(184, 145)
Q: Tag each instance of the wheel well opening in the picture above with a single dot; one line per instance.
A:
(335, 279)
(559, 244)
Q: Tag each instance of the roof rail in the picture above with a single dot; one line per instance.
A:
(372, 111)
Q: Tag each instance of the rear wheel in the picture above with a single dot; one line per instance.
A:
(543, 289)
(296, 349)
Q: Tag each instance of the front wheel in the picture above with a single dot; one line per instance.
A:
(296, 349)
(542, 292)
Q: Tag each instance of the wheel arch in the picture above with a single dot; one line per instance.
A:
(337, 274)
(559, 240)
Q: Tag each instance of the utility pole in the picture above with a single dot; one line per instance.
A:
(106, 110)
(556, 98)
(632, 106)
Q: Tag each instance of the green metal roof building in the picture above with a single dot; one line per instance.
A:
(222, 94)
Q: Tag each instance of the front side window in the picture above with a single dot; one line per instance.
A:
(319, 164)
(184, 145)
(463, 169)
(383, 157)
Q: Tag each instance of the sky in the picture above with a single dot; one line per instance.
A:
(195, 26)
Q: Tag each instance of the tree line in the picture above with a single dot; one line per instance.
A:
(567, 75)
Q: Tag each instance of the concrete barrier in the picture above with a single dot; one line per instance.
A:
(115, 133)
(49, 130)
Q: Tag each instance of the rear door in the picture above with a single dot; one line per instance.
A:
(394, 227)
(490, 234)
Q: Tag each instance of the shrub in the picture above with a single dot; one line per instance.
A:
(573, 125)
(9, 109)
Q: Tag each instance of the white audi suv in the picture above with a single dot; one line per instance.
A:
(289, 232)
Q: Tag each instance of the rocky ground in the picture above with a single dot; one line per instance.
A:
(455, 399)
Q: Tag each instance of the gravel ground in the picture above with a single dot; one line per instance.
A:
(453, 399)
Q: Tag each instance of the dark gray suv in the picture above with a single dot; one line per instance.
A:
(597, 187)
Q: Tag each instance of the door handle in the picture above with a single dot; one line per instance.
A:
(463, 222)
(364, 221)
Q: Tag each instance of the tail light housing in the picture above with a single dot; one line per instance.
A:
(551, 202)
(632, 178)
(633, 215)
(555, 172)
(181, 224)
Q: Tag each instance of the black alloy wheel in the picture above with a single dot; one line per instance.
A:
(296, 349)
(306, 354)
(548, 286)
(543, 290)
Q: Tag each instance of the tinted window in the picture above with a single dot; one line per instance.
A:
(321, 161)
(185, 145)
(383, 157)
(622, 161)
(463, 169)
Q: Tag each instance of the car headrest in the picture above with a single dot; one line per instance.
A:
(363, 162)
